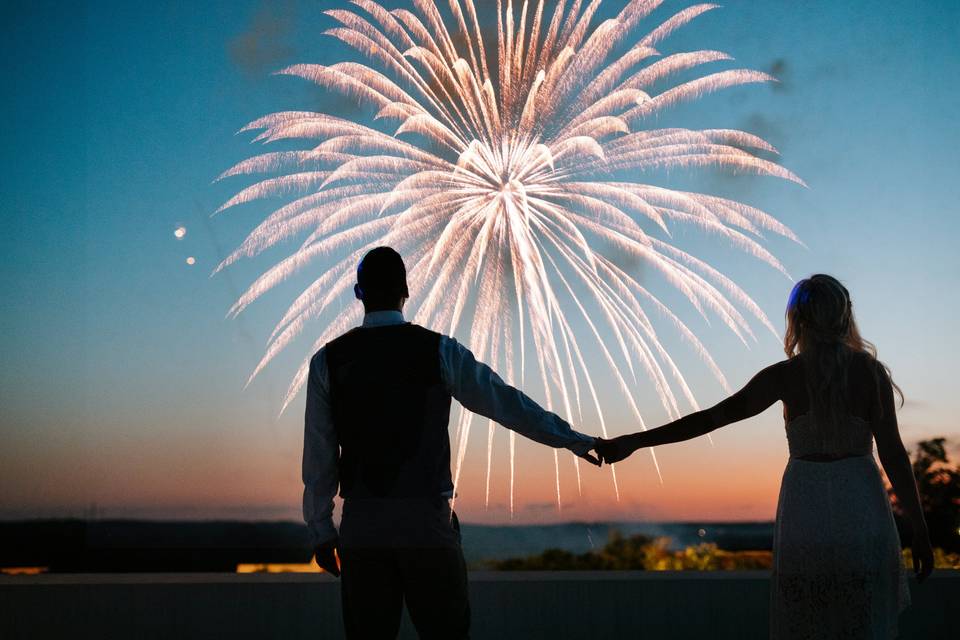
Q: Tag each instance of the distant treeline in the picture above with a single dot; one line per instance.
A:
(67, 546)
(640, 553)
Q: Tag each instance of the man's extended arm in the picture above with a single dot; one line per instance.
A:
(320, 451)
(478, 388)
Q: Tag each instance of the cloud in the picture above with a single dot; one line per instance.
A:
(265, 43)
(912, 404)
(780, 70)
(539, 508)
(772, 130)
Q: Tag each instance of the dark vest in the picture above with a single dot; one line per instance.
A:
(391, 412)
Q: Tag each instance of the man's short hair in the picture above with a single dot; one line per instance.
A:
(382, 276)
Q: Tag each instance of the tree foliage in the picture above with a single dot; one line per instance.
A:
(939, 484)
(639, 553)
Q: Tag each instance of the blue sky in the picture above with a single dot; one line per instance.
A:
(122, 382)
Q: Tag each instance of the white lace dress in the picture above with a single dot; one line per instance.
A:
(838, 571)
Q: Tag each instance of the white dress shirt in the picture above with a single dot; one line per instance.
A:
(475, 385)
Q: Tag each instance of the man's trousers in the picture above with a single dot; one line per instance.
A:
(394, 554)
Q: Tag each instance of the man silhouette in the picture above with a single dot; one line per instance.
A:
(378, 406)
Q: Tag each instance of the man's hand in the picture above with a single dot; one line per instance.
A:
(613, 450)
(327, 556)
(589, 457)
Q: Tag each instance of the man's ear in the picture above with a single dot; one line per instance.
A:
(358, 292)
(406, 292)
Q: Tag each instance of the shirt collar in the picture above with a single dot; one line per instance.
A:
(382, 318)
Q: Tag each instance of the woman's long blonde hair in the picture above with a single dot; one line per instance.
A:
(821, 329)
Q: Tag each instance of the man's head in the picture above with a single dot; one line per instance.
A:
(381, 280)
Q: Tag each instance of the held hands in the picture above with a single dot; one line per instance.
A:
(609, 451)
(614, 449)
(328, 558)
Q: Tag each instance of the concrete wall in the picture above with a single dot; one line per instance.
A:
(528, 605)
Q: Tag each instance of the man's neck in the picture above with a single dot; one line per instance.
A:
(382, 317)
(367, 310)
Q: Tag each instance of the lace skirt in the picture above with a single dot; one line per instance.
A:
(838, 571)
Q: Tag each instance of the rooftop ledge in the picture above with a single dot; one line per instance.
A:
(559, 605)
(321, 578)
(945, 575)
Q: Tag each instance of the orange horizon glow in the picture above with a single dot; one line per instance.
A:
(280, 567)
(23, 571)
(702, 482)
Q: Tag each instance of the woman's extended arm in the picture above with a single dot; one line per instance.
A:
(896, 463)
(761, 392)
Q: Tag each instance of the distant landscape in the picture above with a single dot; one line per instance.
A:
(483, 542)
(145, 545)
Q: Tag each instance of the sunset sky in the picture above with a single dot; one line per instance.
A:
(122, 382)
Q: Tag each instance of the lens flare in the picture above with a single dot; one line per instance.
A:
(509, 172)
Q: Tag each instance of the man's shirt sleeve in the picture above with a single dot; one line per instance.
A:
(320, 453)
(478, 388)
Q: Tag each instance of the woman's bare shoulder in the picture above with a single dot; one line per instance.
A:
(864, 357)
(781, 372)
(867, 364)
(788, 365)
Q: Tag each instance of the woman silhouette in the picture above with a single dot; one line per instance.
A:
(838, 571)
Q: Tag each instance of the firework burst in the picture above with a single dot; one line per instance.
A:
(508, 174)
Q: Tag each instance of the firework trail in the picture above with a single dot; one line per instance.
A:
(508, 174)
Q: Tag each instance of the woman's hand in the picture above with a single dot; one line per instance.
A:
(615, 449)
(922, 553)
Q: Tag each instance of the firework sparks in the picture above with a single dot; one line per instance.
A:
(508, 174)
